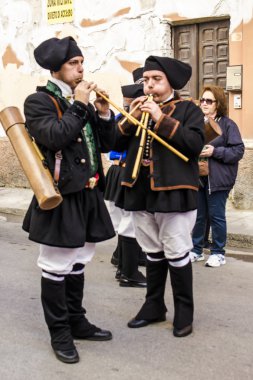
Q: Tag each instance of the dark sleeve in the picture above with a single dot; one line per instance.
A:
(233, 151)
(185, 131)
(107, 132)
(124, 135)
(43, 124)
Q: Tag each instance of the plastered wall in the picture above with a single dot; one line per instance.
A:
(115, 37)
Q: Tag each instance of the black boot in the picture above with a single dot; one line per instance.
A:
(142, 258)
(154, 309)
(181, 282)
(119, 252)
(130, 275)
(56, 316)
(81, 328)
(115, 256)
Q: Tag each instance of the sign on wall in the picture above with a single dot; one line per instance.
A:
(59, 11)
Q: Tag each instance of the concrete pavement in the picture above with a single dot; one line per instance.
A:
(220, 347)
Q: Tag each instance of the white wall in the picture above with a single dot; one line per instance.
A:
(120, 35)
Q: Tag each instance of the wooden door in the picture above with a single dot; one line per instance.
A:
(205, 46)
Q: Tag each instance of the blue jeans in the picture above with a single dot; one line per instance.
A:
(212, 206)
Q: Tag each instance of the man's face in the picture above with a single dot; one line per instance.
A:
(156, 84)
(71, 72)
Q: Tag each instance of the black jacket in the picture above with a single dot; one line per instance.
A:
(52, 135)
(182, 126)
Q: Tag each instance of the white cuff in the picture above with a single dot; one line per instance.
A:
(106, 117)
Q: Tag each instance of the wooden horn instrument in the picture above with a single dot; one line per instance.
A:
(31, 159)
(136, 122)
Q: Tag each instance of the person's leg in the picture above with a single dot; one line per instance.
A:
(130, 276)
(153, 309)
(62, 293)
(175, 234)
(198, 233)
(129, 252)
(56, 316)
(81, 328)
(207, 242)
(116, 215)
(217, 213)
(55, 265)
(181, 282)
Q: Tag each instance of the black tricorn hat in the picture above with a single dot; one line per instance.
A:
(177, 72)
(53, 53)
(134, 90)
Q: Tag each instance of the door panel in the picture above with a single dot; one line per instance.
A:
(185, 40)
(206, 47)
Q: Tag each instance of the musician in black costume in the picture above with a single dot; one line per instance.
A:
(163, 197)
(71, 135)
(128, 254)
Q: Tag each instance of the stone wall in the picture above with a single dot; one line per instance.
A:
(11, 172)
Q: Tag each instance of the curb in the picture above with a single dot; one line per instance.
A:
(240, 241)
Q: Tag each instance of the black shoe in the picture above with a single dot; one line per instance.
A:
(182, 332)
(136, 323)
(131, 283)
(138, 282)
(100, 335)
(67, 356)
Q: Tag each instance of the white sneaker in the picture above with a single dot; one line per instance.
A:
(195, 257)
(215, 261)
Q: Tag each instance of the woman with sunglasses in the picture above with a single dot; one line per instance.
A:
(223, 154)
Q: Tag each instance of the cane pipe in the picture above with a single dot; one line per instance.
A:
(141, 146)
(144, 117)
(130, 113)
(138, 123)
(39, 176)
(121, 110)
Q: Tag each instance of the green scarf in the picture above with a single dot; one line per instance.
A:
(87, 132)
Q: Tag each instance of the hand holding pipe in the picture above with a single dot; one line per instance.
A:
(138, 123)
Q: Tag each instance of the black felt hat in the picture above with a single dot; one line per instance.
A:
(137, 74)
(177, 72)
(53, 53)
(134, 90)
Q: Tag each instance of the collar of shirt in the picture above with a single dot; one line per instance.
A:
(65, 89)
(169, 98)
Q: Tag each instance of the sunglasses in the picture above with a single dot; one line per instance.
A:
(209, 102)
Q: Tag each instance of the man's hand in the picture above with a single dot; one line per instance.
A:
(152, 108)
(207, 151)
(102, 105)
(83, 90)
(137, 113)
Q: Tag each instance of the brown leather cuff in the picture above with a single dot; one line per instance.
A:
(166, 126)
